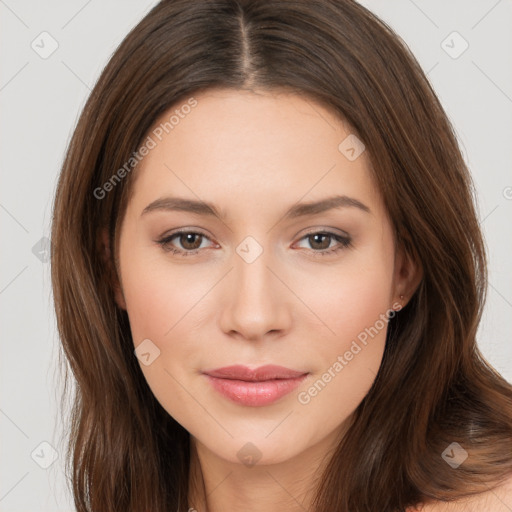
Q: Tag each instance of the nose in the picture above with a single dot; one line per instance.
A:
(256, 302)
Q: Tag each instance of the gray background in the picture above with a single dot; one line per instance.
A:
(40, 102)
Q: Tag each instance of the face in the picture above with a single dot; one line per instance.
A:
(258, 278)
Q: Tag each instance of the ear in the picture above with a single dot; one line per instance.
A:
(408, 274)
(112, 272)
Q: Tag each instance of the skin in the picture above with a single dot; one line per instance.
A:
(254, 156)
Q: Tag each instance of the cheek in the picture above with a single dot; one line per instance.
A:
(363, 305)
(353, 298)
(159, 295)
(161, 299)
(355, 306)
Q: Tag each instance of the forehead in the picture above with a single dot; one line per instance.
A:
(253, 148)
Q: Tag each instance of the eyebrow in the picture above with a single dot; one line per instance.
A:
(297, 210)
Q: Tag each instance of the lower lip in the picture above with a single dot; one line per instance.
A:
(255, 394)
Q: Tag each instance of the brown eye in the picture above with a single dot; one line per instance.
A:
(183, 243)
(317, 243)
(190, 240)
(320, 242)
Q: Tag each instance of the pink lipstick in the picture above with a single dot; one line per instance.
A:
(258, 387)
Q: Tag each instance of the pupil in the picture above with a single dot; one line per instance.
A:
(320, 236)
(189, 237)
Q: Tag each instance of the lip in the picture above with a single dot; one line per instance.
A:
(241, 372)
(258, 387)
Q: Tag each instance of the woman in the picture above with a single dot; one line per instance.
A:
(268, 274)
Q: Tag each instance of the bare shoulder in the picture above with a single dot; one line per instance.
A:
(498, 499)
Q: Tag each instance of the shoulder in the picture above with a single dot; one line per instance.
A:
(498, 499)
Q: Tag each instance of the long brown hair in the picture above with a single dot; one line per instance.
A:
(434, 387)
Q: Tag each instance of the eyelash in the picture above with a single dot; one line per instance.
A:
(344, 243)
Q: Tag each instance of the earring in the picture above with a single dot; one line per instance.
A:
(401, 305)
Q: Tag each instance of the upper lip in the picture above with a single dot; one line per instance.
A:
(267, 372)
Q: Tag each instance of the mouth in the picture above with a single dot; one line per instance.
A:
(257, 387)
(267, 372)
